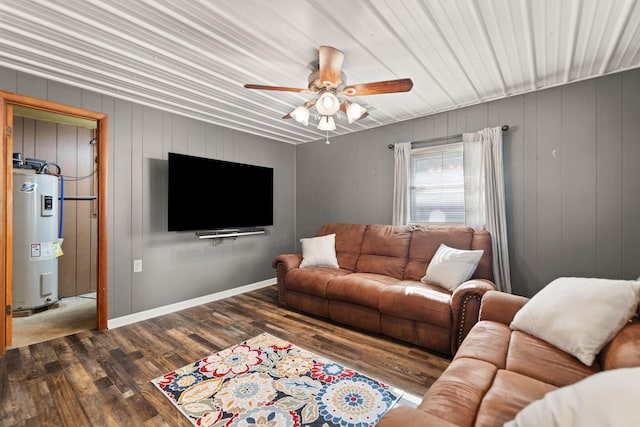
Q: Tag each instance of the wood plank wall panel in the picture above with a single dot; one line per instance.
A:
(549, 187)
(68, 147)
(121, 299)
(529, 255)
(579, 179)
(573, 185)
(609, 177)
(86, 226)
(137, 214)
(154, 206)
(67, 158)
(630, 173)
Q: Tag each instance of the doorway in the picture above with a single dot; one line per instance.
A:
(70, 117)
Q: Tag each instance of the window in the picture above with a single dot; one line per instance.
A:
(437, 185)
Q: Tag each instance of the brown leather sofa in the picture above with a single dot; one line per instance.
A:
(497, 372)
(377, 287)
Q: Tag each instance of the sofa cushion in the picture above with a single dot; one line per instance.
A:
(509, 393)
(450, 267)
(348, 242)
(312, 280)
(319, 252)
(609, 398)
(488, 341)
(417, 301)
(385, 249)
(425, 241)
(538, 359)
(457, 393)
(579, 315)
(359, 288)
(482, 240)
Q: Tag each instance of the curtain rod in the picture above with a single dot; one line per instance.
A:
(441, 138)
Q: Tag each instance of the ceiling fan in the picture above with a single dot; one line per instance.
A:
(329, 82)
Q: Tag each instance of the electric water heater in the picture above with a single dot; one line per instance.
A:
(36, 245)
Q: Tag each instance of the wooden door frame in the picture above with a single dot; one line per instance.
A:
(7, 100)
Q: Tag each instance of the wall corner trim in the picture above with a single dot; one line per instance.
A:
(159, 311)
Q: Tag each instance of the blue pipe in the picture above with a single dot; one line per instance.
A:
(61, 206)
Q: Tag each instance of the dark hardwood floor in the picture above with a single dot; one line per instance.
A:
(102, 378)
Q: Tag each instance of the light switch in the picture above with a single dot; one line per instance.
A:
(137, 265)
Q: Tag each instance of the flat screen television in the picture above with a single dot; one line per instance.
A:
(208, 194)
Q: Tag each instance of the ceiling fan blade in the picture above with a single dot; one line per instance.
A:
(330, 66)
(375, 88)
(280, 88)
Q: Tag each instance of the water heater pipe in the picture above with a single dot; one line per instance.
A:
(61, 206)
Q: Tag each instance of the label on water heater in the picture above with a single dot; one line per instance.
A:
(35, 250)
(44, 251)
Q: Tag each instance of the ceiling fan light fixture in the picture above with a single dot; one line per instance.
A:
(327, 123)
(355, 111)
(301, 115)
(327, 104)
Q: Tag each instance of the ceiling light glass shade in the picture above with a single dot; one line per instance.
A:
(327, 123)
(327, 104)
(301, 115)
(354, 112)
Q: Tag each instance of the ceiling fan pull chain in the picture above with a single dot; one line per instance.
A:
(327, 141)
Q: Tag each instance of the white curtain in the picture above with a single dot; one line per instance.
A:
(485, 206)
(402, 156)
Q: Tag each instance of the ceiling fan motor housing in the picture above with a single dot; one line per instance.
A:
(315, 85)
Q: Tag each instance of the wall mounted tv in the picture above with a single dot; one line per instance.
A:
(207, 194)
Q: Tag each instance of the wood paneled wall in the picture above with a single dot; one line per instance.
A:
(573, 186)
(68, 146)
(572, 177)
(176, 266)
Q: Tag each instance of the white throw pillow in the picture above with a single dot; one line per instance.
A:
(319, 251)
(608, 398)
(451, 267)
(579, 315)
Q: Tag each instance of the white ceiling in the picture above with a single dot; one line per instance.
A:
(192, 57)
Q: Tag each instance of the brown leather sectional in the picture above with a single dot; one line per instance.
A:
(497, 372)
(377, 287)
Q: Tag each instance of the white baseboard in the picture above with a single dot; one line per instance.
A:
(159, 311)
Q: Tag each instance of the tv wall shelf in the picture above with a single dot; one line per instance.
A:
(225, 234)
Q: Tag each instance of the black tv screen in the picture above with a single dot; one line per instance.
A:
(208, 194)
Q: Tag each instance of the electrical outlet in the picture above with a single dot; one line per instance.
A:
(137, 265)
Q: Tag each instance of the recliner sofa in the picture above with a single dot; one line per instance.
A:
(378, 287)
(498, 371)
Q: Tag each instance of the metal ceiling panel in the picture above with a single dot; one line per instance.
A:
(192, 57)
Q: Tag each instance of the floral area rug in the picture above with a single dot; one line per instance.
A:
(266, 381)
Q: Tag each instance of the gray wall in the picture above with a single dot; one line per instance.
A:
(571, 166)
(573, 186)
(176, 266)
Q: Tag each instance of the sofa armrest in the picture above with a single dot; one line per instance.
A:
(500, 306)
(283, 264)
(465, 307)
(289, 261)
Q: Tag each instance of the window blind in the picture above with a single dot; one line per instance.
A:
(437, 185)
